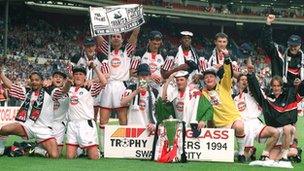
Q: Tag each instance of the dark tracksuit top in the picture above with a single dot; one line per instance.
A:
(277, 111)
(277, 62)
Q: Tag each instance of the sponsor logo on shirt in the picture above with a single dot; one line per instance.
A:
(56, 105)
(241, 106)
(180, 106)
(115, 62)
(153, 67)
(74, 100)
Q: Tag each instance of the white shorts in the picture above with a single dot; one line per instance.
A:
(82, 133)
(112, 94)
(281, 136)
(35, 131)
(253, 129)
(59, 129)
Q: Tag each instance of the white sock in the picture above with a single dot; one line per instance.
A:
(265, 153)
(241, 144)
(285, 153)
(2, 146)
(80, 151)
(101, 138)
(40, 151)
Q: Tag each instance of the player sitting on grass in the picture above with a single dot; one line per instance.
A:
(35, 117)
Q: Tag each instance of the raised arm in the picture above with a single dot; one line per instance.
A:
(226, 81)
(133, 38)
(266, 37)
(13, 89)
(164, 95)
(102, 78)
(102, 45)
(254, 86)
(59, 92)
(6, 82)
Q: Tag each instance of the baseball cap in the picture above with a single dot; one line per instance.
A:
(209, 71)
(186, 33)
(89, 41)
(143, 70)
(80, 69)
(294, 40)
(181, 74)
(59, 73)
(155, 35)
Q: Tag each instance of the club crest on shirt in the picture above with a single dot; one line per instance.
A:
(153, 67)
(241, 106)
(115, 62)
(74, 100)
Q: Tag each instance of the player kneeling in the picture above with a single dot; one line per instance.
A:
(254, 128)
(81, 129)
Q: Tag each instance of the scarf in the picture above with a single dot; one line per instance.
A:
(214, 59)
(180, 58)
(36, 108)
(151, 116)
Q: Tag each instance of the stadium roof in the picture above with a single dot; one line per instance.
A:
(263, 3)
(256, 2)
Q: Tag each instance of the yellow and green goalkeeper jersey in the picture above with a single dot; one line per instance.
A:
(225, 111)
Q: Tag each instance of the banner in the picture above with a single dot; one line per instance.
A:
(115, 19)
(7, 114)
(136, 142)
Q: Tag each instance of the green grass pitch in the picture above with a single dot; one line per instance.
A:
(62, 164)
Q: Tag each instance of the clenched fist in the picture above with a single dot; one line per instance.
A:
(270, 19)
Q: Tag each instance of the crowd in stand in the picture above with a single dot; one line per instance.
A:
(30, 40)
(222, 8)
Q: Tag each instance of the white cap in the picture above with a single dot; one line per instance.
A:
(181, 74)
(186, 33)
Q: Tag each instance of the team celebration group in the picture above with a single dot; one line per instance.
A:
(136, 84)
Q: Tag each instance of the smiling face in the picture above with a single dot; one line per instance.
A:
(90, 51)
(116, 40)
(243, 82)
(36, 82)
(276, 86)
(58, 80)
(186, 41)
(294, 49)
(79, 78)
(154, 44)
(210, 81)
(221, 43)
(181, 83)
